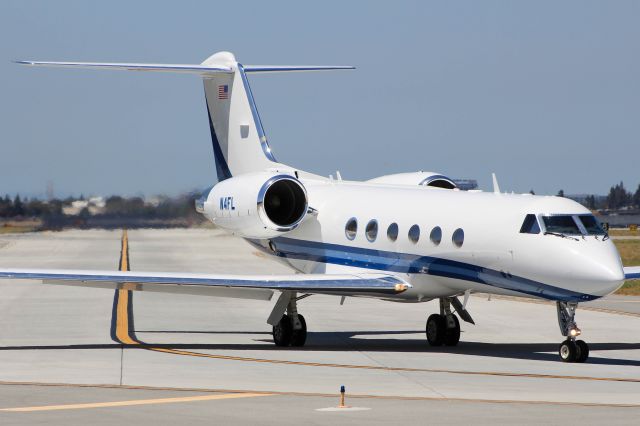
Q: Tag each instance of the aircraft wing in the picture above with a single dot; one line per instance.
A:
(259, 287)
(632, 272)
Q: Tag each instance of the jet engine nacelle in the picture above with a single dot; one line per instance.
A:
(431, 179)
(257, 205)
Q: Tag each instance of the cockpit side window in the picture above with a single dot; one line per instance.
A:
(591, 224)
(561, 224)
(530, 225)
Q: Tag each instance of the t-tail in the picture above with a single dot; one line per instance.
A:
(239, 141)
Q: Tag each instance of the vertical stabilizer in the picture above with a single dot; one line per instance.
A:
(239, 143)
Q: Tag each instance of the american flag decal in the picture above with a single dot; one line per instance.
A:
(223, 92)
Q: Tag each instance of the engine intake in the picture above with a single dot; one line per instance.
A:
(282, 201)
(256, 205)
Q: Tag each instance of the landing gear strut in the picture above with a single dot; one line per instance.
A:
(443, 328)
(291, 329)
(571, 350)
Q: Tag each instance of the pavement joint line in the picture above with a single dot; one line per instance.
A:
(396, 369)
(124, 336)
(610, 311)
(326, 395)
(133, 402)
(584, 308)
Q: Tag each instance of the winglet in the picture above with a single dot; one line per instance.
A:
(496, 187)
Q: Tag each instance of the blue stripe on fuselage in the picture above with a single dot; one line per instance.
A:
(415, 264)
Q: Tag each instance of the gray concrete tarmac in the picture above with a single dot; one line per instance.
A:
(628, 304)
(505, 370)
(280, 409)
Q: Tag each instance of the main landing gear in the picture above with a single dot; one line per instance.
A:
(291, 328)
(289, 332)
(443, 328)
(571, 350)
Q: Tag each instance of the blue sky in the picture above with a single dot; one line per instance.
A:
(546, 93)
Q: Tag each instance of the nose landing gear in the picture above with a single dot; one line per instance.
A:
(571, 350)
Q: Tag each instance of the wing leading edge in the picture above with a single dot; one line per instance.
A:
(241, 286)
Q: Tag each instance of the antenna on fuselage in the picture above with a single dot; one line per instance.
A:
(496, 187)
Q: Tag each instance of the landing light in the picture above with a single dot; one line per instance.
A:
(401, 287)
(575, 331)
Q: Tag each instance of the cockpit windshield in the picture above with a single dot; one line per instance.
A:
(530, 225)
(591, 224)
(561, 224)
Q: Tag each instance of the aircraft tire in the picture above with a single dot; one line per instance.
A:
(283, 332)
(583, 351)
(452, 335)
(299, 337)
(435, 329)
(568, 351)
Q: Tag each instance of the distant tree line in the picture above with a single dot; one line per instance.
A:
(618, 198)
(135, 207)
(18, 207)
(115, 207)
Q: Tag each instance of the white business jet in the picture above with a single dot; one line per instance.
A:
(350, 239)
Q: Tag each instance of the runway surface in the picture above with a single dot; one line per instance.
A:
(167, 357)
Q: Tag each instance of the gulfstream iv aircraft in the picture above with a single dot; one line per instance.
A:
(347, 241)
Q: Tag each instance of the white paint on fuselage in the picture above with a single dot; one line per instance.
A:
(492, 238)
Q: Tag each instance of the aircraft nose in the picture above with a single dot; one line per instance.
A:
(606, 273)
(610, 281)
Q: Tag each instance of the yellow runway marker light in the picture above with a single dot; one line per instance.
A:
(342, 391)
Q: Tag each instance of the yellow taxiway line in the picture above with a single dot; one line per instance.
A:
(133, 402)
(122, 311)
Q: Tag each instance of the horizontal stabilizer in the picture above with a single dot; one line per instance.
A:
(210, 284)
(632, 272)
(176, 68)
(293, 68)
(200, 69)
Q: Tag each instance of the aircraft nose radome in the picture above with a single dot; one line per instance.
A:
(607, 275)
